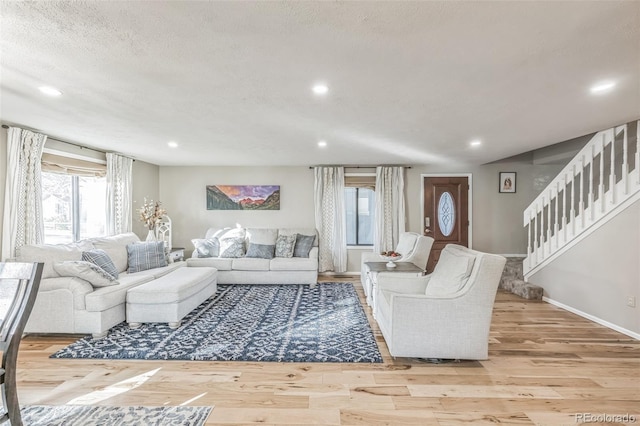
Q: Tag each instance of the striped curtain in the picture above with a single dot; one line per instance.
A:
(330, 218)
(119, 194)
(390, 213)
(23, 223)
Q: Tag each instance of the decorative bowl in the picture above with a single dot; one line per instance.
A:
(391, 260)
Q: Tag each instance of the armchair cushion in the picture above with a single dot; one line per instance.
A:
(406, 243)
(451, 273)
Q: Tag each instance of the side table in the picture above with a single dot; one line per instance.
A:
(176, 254)
(402, 268)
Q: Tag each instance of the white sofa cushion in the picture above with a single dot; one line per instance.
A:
(78, 287)
(116, 248)
(407, 243)
(221, 264)
(159, 272)
(264, 236)
(87, 271)
(51, 253)
(293, 264)
(108, 297)
(250, 264)
(451, 272)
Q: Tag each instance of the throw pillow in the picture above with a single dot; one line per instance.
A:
(208, 247)
(262, 251)
(304, 243)
(451, 273)
(87, 271)
(285, 244)
(266, 236)
(147, 255)
(101, 258)
(232, 247)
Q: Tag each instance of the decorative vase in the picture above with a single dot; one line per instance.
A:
(151, 236)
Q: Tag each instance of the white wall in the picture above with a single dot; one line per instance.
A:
(598, 274)
(183, 194)
(146, 183)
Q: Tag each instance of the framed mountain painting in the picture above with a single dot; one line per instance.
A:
(243, 197)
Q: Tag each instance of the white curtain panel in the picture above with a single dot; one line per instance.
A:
(119, 194)
(390, 214)
(330, 218)
(23, 223)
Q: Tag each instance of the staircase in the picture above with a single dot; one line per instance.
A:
(598, 183)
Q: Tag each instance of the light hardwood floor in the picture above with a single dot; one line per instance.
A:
(545, 366)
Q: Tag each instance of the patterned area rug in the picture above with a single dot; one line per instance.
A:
(282, 323)
(86, 415)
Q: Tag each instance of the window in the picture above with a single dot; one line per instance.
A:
(360, 206)
(73, 200)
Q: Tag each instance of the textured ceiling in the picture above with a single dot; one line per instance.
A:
(410, 82)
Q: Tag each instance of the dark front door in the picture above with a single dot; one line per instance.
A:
(446, 211)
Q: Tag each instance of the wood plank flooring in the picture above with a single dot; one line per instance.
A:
(545, 366)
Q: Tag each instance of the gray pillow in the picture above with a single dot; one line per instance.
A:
(262, 251)
(303, 245)
(209, 247)
(101, 258)
(232, 247)
(285, 245)
(87, 271)
(147, 255)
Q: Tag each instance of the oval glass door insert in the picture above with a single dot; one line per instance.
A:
(446, 214)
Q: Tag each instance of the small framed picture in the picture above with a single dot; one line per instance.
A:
(507, 182)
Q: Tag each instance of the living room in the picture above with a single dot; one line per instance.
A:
(526, 84)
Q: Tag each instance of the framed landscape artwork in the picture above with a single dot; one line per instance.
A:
(507, 182)
(243, 197)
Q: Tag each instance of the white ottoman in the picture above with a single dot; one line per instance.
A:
(171, 297)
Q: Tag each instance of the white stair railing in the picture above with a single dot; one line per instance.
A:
(598, 180)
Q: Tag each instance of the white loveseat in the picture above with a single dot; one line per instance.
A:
(70, 304)
(248, 270)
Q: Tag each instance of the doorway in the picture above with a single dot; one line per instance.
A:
(446, 212)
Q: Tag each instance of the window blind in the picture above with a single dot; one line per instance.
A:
(72, 166)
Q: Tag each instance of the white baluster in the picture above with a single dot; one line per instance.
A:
(612, 175)
(564, 208)
(638, 152)
(529, 249)
(572, 215)
(549, 220)
(535, 235)
(625, 163)
(601, 189)
(581, 203)
(591, 195)
(556, 226)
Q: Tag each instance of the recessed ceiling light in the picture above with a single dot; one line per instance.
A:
(476, 142)
(49, 91)
(602, 87)
(172, 144)
(322, 144)
(320, 89)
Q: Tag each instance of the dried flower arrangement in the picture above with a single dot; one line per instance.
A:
(151, 213)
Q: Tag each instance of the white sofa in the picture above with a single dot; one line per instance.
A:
(277, 270)
(69, 304)
(443, 315)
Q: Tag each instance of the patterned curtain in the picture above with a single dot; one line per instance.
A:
(330, 218)
(119, 194)
(390, 216)
(23, 223)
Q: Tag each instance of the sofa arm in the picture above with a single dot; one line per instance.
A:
(313, 254)
(402, 284)
(77, 288)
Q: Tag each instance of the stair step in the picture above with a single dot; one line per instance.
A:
(526, 290)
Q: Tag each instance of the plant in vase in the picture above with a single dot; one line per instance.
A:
(150, 214)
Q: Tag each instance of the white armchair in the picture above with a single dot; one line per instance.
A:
(446, 314)
(413, 247)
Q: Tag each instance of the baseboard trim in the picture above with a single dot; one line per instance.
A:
(592, 318)
(514, 255)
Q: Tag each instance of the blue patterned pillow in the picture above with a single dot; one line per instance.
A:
(232, 247)
(101, 258)
(262, 251)
(147, 255)
(285, 245)
(303, 245)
